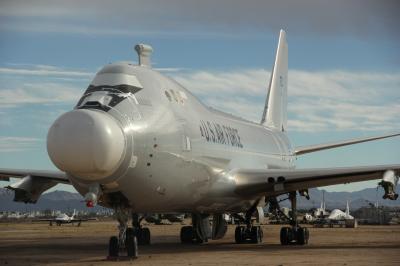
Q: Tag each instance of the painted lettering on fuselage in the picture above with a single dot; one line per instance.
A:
(221, 134)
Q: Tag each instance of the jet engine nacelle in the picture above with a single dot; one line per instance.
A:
(389, 183)
(29, 188)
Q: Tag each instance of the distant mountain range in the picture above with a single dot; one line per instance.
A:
(67, 201)
(56, 200)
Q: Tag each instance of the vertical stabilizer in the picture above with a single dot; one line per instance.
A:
(275, 110)
(347, 208)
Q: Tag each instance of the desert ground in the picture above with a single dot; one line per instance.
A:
(41, 244)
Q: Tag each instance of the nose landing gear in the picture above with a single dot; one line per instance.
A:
(128, 238)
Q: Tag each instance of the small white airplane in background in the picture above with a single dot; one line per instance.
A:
(139, 142)
(63, 218)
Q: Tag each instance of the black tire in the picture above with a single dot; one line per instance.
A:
(147, 236)
(186, 234)
(131, 243)
(143, 236)
(256, 234)
(306, 235)
(239, 234)
(300, 236)
(260, 234)
(113, 247)
(132, 247)
(284, 236)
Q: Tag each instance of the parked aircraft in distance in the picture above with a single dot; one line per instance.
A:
(63, 218)
(337, 214)
(139, 142)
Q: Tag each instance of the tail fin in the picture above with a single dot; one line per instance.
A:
(347, 208)
(275, 110)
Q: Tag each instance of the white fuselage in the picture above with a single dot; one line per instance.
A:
(177, 153)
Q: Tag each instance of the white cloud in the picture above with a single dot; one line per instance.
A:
(40, 84)
(44, 70)
(360, 18)
(39, 93)
(318, 101)
(17, 144)
(251, 82)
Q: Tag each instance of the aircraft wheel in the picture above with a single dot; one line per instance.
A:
(300, 236)
(186, 234)
(113, 247)
(144, 236)
(306, 235)
(284, 236)
(239, 232)
(131, 244)
(256, 234)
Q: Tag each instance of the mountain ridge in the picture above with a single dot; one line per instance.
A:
(66, 201)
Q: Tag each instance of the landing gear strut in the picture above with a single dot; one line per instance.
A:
(294, 234)
(128, 238)
(249, 233)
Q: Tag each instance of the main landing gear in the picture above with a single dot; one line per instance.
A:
(199, 232)
(249, 233)
(128, 238)
(294, 234)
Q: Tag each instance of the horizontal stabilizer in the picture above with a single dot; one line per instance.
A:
(313, 148)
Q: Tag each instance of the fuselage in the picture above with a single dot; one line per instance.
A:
(177, 153)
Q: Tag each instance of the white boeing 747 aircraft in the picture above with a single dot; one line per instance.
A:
(139, 142)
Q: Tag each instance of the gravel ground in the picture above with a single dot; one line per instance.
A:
(40, 244)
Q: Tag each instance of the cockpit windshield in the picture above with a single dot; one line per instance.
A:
(105, 97)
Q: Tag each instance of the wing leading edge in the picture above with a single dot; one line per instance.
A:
(276, 182)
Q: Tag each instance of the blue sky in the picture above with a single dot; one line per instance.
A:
(344, 62)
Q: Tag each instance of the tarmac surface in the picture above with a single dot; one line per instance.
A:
(41, 244)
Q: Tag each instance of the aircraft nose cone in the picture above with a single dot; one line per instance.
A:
(89, 144)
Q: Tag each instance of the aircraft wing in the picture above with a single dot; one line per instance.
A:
(32, 183)
(61, 177)
(319, 147)
(276, 182)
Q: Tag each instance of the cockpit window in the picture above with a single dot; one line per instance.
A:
(116, 88)
(105, 97)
